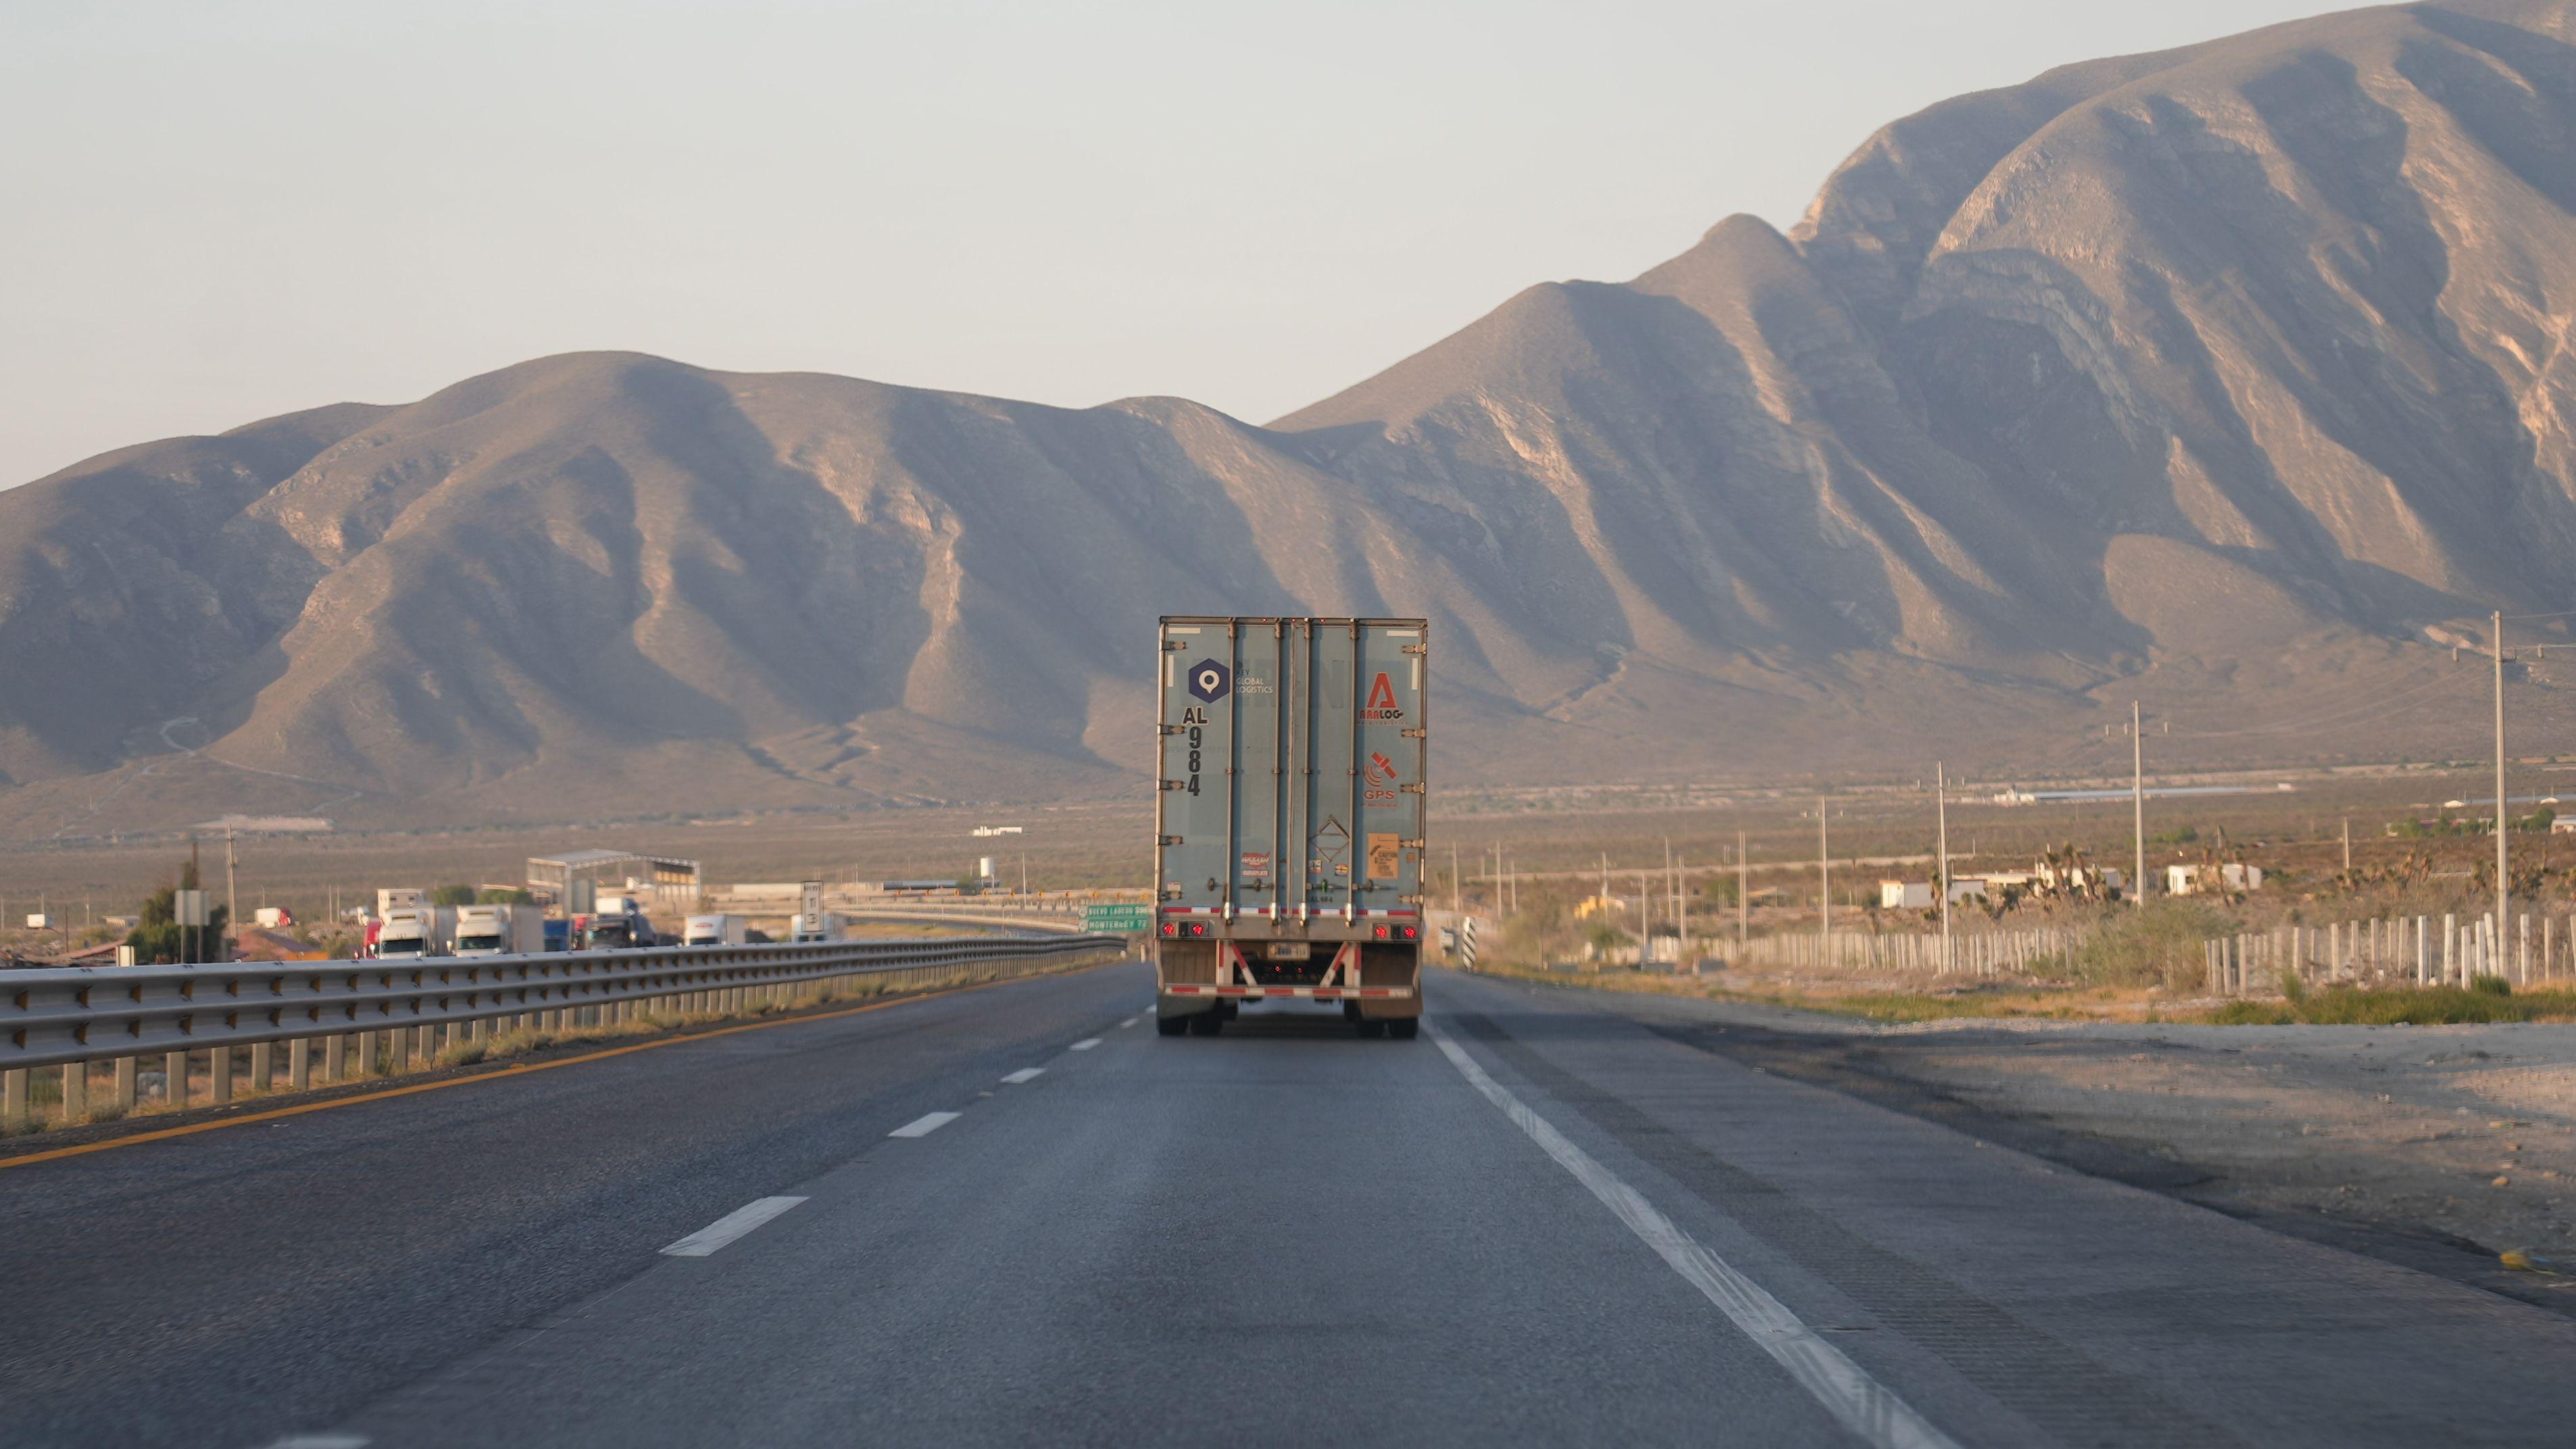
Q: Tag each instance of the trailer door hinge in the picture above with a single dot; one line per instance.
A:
(1171, 840)
(1176, 784)
(1413, 789)
(1408, 844)
(1417, 734)
(1408, 900)
(1417, 648)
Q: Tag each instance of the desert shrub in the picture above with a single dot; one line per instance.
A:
(2158, 946)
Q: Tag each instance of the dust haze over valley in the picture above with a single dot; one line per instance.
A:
(2231, 378)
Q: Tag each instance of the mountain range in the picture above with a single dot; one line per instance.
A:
(2234, 378)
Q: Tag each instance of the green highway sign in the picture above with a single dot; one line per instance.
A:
(1118, 919)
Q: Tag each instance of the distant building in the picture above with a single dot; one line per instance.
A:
(1905, 895)
(2188, 880)
(571, 880)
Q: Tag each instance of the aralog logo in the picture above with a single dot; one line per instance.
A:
(1381, 700)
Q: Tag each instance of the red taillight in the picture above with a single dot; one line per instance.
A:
(1410, 932)
(1198, 928)
(1171, 928)
(1381, 933)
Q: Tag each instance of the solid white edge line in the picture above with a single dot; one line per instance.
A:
(925, 1124)
(729, 1227)
(1025, 1074)
(1084, 1045)
(322, 1441)
(1863, 1404)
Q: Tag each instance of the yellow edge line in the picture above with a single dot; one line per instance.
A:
(520, 1070)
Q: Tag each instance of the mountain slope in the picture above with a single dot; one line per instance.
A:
(2231, 377)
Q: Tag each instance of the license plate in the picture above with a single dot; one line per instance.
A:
(1287, 951)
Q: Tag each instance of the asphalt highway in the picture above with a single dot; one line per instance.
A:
(1016, 1215)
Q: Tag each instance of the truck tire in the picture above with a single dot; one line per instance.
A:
(1404, 1028)
(1171, 1025)
(1372, 1027)
(1206, 1023)
(1350, 1011)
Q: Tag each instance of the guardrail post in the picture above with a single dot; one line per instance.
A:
(221, 1061)
(13, 1100)
(263, 1066)
(335, 1049)
(75, 1093)
(174, 1078)
(299, 1065)
(126, 1071)
(366, 1054)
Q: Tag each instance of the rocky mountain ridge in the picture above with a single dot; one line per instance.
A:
(2233, 378)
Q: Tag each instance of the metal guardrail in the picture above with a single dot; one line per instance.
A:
(75, 1016)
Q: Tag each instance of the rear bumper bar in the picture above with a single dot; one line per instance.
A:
(1319, 993)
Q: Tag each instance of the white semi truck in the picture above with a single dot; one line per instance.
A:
(715, 930)
(414, 931)
(500, 930)
(826, 926)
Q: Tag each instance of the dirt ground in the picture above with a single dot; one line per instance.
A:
(2464, 1132)
(2458, 1141)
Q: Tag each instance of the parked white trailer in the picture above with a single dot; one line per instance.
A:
(716, 930)
(500, 930)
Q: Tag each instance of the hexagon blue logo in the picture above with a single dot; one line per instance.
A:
(1210, 680)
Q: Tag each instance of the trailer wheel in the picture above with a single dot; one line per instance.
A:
(1350, 1011)
(1372, 1027)
(1171, 1025)
(1404, 1028)
(1206, 1023)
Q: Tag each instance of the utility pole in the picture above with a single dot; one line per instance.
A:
(1681, 910)
(232, 898)
(1941, 813)
(2504, 882)
(1743, 896)
(2347, 845)
(2138, 800)
(1456, 900)
(1824, 881)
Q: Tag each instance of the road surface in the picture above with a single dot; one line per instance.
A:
(1016, 1215)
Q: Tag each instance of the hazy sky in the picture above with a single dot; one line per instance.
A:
(218, 211)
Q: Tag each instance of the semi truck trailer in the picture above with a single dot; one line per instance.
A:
(500, 930)
(715, 930)
(1288, 826)
(417, 931)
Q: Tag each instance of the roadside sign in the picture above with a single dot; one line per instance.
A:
(188, 908)
(1129, 920)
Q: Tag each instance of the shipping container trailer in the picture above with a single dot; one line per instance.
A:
(1288, 836)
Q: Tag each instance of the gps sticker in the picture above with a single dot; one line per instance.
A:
(1210, 680)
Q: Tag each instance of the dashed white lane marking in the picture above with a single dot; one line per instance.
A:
(321, 1441)
(1086, 1044)
(1864, 1405)
(729, 1227)
(1131, 1021)
(925, 1124)
(1025, 1074)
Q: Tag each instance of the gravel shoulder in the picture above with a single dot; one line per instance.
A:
(2445, 1147)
